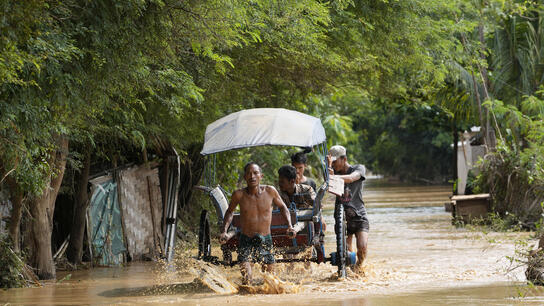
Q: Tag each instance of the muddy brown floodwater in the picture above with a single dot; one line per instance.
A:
(416, 257)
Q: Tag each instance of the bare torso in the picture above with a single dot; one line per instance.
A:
(255, 210)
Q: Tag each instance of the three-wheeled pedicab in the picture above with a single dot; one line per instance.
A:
(279, 127)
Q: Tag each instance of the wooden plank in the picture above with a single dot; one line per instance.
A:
(88, 228)
(470, 197)
(156, 243)
(62, 248)
(214, 279)
(471, 208)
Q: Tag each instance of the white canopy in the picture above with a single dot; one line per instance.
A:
(263, 126)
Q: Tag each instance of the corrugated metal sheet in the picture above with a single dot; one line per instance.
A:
(171, 203)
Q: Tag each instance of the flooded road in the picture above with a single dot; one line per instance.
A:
(416, 257)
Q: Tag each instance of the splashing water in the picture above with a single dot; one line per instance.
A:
(271, 285)
(185, 266)
(227, 280)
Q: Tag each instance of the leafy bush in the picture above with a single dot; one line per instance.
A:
(514, 173)
(471, 187)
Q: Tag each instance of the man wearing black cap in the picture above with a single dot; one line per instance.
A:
(352, 199)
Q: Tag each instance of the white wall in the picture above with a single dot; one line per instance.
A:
(464, 164)
(467, 157)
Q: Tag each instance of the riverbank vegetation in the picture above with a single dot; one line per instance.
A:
(11, 266)
(513, 172)
(91, 85)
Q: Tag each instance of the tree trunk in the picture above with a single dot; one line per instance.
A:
(485, 82)
(478, 101)
(16, 197)
(484, 122)
(192, 169)
(455, 149)
(75, 247)
(41, 210)
(40, 229)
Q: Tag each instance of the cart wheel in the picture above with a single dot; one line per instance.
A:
(340, 230)
(204, 241)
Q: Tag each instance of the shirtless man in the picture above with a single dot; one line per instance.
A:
(256, 203)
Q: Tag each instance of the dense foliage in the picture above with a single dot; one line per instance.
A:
(393, 80)
(514, 174)
(110, 74)
(412, 142)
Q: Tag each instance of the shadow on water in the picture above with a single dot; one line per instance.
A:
(194, 287)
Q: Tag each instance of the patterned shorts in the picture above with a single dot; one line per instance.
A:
(257, 248)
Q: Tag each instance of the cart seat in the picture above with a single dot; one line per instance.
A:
(278, 230)
(220, 202)
(278, 221)
(305, 214)
(319, 197)
(293, 245)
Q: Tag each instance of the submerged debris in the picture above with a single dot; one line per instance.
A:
(13, 271)
(535, 267)
(212, 278)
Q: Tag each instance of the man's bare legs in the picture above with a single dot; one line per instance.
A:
(245, 269)
(362, 244)
(267, 268)
(349, 242)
